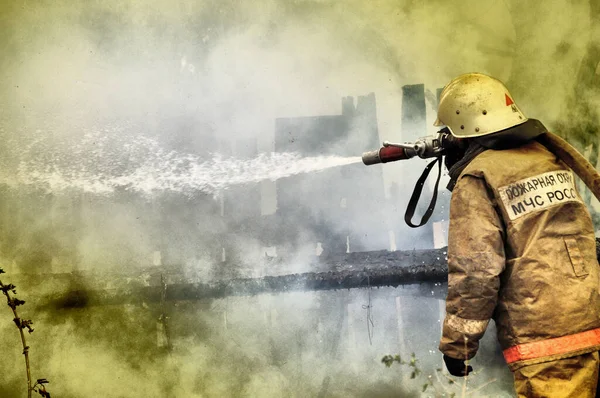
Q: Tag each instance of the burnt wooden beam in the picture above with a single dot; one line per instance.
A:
(350, 271)
(310, 281)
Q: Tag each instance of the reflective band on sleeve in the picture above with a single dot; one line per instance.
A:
(556, 346)
(466, 326)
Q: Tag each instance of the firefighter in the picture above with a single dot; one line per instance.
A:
(521, 247)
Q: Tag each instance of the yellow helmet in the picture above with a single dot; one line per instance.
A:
(474, 105)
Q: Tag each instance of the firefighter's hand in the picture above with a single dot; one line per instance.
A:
(456, 367)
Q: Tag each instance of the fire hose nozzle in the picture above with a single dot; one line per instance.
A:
(388, 153)
(426, 147)
(371, 157)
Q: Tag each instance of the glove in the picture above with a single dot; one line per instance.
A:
(456, 367)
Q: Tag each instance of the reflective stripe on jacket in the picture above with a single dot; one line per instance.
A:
(521, 250)
(550, 347)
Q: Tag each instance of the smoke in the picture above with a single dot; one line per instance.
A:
(114, 88)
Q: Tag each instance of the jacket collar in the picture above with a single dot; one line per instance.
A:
(514, 136)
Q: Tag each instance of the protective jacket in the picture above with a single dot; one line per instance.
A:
(521, 251)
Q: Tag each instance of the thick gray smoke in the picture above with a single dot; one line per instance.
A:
(114, 114)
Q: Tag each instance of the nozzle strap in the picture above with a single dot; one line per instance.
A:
(416, 195)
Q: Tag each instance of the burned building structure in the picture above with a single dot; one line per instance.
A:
(336, 211)
(316, 208)
(346, 209)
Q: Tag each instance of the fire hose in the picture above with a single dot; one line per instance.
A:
(575, 160)
(443, 142)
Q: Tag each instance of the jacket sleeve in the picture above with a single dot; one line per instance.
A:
(475, 261)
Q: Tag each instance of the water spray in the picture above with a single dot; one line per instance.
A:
(109, 159)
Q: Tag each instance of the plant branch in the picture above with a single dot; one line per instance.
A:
(23, 324)
(13, 303)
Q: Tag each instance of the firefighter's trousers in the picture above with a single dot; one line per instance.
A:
(574, 377)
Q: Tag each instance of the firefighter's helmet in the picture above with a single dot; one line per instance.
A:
(474, 105)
